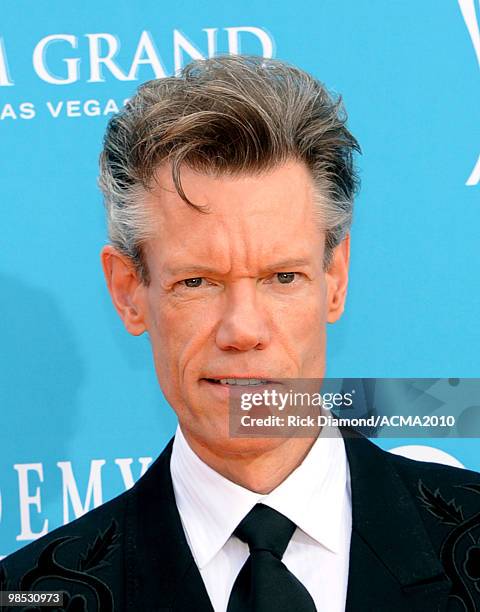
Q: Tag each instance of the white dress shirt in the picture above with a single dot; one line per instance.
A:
(316, 497)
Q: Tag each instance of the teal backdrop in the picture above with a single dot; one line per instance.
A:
(81, 411)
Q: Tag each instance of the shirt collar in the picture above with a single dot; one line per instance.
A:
(313, 496)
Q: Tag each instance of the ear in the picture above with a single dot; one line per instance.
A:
(126, 289)
(337, 280)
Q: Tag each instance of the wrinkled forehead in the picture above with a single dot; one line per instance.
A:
(286, 188)
(245, 216)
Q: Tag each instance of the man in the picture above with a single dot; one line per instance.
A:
(229, 193)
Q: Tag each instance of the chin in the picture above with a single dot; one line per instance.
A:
(224, 445)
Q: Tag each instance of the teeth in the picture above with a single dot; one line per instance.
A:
(242, 381)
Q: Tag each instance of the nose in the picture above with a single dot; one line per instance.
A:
(243, 326)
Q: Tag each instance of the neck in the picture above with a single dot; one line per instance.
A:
(260, 469)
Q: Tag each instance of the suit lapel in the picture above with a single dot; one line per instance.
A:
(161, 572)
(393, 565)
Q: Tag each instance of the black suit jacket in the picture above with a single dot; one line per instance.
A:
(415, 544)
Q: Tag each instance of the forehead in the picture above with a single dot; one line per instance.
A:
(255, 214)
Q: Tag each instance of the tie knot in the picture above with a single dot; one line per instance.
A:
(266, 529)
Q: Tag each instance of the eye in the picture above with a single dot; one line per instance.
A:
(285, 277)
(193, 282)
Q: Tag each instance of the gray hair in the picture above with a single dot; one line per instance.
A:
(233, 115)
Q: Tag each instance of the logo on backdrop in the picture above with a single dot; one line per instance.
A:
(32, 488)
(472, 22)
(65, 59)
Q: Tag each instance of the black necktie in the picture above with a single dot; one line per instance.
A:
(264, 583)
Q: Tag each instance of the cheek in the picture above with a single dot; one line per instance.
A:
(301, 328)
(309, 331)
(304, 315)
(177, 333)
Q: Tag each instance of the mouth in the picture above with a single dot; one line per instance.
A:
(239, 382)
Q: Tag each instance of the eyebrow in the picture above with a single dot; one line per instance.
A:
(288, 263)
(202, 269)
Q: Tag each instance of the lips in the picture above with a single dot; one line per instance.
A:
(243, 382)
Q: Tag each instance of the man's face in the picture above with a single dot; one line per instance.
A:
(239, 292)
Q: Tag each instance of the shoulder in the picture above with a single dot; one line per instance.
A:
(413, 473)
(448, 504)
(430, 482)
(87, 553)
(90, 559)
(445, 498)
(418, 475)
